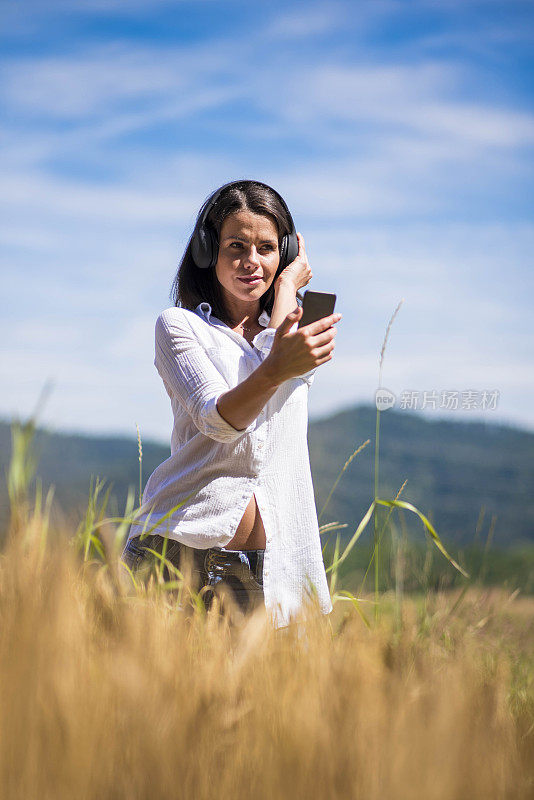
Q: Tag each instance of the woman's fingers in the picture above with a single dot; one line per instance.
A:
(326, 322)
(321, 325)
(323, 342)
(324, 337)
(321, 352)
(302, 247)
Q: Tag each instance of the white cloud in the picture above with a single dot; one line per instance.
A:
(29, 18)
(112, 90)
(411, 98)
(320, 18)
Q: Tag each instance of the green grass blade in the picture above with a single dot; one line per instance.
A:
(333, 579)
(357, 533)
(330, 528)
(429, 528)
(343, 595)
(347, 462)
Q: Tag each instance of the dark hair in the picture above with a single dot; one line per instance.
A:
(192, 285)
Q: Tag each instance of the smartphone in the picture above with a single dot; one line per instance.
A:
(316, 305)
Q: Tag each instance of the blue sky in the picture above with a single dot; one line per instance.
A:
(399, 133)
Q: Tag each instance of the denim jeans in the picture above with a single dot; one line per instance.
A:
(238, 573)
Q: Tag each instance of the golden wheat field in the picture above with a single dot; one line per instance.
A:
(116, 685)
(113, 691)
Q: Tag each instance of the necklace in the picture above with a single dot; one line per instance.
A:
(240, 325)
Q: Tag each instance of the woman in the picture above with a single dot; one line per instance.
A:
(235, 499)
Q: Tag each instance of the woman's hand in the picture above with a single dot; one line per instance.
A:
(298, 273)
(295, 353)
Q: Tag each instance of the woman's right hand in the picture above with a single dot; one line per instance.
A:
(293, 354)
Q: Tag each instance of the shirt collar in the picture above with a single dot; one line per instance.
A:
(204, 309)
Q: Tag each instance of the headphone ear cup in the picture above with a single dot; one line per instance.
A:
(292, 247)
(199, 248)
(213, 247)
(283, 254)
(204, 247)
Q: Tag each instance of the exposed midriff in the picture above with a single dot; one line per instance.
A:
(250, 533)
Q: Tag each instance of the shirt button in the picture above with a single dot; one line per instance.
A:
(260, 446)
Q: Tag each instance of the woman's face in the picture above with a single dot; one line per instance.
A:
(248, 246)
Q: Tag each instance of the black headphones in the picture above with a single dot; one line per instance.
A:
(205, 245)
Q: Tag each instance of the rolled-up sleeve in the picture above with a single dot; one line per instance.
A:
(308, 376)
(192, 377)
(263, 340)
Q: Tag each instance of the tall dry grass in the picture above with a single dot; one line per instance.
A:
(112, 690)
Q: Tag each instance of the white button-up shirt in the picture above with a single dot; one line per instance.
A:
(199, 358)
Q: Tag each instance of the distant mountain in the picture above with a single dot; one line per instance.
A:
(454, 471)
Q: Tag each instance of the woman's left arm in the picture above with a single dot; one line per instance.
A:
(291, 279)
(285, 301)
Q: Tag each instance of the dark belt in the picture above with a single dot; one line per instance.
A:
(218, 560)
